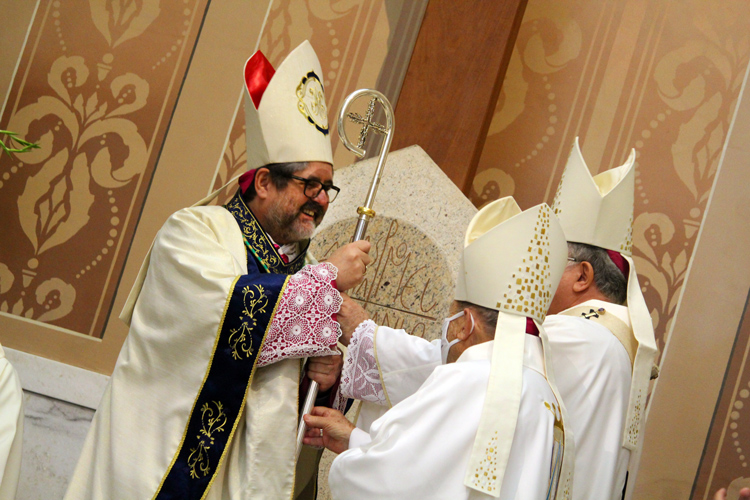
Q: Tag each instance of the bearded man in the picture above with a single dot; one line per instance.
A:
(203, 401)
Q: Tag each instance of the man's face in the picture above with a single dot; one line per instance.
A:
(292, 216)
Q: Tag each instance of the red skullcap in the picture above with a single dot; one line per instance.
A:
(620, 262)
(531, 328)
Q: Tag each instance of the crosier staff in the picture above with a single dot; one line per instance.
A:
(365, 212)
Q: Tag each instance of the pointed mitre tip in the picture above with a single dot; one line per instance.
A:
(490, 216)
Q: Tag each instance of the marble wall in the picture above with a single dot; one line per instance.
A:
(59, 403)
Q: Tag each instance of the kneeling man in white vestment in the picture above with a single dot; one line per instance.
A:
(203, 401)
(487, 423)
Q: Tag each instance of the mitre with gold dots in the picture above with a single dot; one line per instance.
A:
(512, 262)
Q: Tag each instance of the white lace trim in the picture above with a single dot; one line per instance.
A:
(360, 378)
(303, 325)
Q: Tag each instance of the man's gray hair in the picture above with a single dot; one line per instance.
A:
(485, 316)
(607, 276)
(280, 173)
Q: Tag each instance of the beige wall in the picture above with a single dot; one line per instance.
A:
(663, 77)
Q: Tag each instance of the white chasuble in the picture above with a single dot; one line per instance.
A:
(593, 374)
(192, 410)
(421, 447)
(11, 428)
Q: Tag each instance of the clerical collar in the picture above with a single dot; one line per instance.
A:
(290, 250)
(259, 243)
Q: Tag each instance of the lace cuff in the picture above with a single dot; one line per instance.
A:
(305, 320)
(360, 378)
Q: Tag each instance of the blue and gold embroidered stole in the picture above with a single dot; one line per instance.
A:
(218, 406)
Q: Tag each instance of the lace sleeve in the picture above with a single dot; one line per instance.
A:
(360, 378)
(305, 320)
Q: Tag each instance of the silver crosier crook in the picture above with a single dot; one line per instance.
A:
(365, 213)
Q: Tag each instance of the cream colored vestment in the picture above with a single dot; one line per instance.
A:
(421, 447)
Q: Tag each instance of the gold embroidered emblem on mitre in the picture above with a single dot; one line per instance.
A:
(597, 210)
(290, 123)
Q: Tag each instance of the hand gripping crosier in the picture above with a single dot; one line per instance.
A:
(365, 212)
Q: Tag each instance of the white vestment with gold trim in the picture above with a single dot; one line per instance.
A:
(593, 375)
(141, 419)
(421, 447)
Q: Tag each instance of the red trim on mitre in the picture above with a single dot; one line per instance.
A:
(258, 73)
(531, 328)
(619, 261)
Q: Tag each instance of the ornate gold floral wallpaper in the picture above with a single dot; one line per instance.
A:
(95, 87)
(658, 76)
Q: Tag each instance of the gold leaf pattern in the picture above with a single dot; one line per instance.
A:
(213, 420)
(96, 107)
(255, 301)
(673, 101)
(122, 20)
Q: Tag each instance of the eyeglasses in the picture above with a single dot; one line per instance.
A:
(572, 259)
(313, 187)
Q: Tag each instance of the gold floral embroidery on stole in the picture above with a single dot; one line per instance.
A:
(253, 232)
(240, 340)
(213, 420)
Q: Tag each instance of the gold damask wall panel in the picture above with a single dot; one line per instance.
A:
(360, 43)
(662, 77)
(95, 87)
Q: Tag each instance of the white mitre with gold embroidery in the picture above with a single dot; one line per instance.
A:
(286, 117)
(598, 211)
(286, 120)
(512, 262)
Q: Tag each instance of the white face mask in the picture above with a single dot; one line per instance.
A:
(445, 346)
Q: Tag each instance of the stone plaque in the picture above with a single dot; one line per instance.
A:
(408, 285)
(416, 235)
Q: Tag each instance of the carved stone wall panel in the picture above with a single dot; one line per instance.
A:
(95, 87)
(661, 77)
(408, 285)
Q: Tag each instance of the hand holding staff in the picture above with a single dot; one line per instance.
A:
(365, 212)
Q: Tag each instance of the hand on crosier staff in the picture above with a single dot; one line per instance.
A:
(350, 316)
(329, 428)
(325, 370)
(351, 261)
